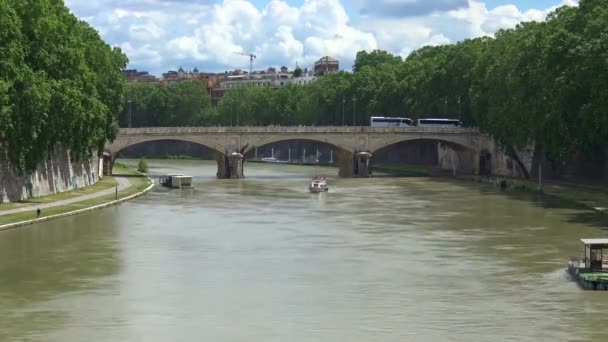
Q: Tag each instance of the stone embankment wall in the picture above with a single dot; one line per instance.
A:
(578, 167)
(58, 173)
(494, 160)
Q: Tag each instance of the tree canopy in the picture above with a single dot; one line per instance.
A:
(60, 83)
(179, 104)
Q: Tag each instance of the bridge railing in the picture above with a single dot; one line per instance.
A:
(297, 129)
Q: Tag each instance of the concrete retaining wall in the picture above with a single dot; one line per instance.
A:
(58, 173)
(501, 162)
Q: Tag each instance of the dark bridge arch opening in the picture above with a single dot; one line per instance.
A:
(424, 157)
(303, 152)
(166, 149)
(296, 151)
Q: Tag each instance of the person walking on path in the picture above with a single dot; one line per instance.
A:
(38, 212)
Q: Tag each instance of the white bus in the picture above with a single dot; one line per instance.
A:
(439, 123)
(380, 121)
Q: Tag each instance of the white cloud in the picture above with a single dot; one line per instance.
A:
(483, 21)
(158, 35)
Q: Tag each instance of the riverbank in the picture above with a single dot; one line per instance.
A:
(594, 198)
(409, 170)
(110, 192)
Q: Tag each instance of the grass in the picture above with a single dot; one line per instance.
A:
(138, 181)
(405, 170)
(105, 183)
(169, 156)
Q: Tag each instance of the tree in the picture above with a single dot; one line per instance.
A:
(60, 84)
(374, 59)
(142, 166)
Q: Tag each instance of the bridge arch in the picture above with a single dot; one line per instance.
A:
(454, 153)
(459, 142)
(113, 149)
(343, 156)
(120, 144)
(260, 141)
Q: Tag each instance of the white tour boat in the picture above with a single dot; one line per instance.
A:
(318, 184)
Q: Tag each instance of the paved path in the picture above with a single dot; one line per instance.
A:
(123, 183)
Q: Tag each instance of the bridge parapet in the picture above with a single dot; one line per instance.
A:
(296, 129)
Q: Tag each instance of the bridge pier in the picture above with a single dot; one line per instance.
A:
(356, 164)
(108, 164)
(230, 165)
(362, 164)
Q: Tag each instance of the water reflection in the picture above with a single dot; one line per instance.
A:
(76, 255)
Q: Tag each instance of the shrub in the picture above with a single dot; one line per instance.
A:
(142, 166)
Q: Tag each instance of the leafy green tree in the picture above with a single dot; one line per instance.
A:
(179, 104)
(60, 84)
(142, 166)
(374, 59)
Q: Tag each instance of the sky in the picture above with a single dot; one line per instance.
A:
(161, 35)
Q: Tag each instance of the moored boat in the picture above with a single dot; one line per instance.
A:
(176, 181)
(318, 184)
(591, 273)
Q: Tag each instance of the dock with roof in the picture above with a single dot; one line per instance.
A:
(591, 272)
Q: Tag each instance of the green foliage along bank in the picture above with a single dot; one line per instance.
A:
(142, 166)
(178, 104)
(60, 83)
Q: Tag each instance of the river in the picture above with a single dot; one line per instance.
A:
(262, 259)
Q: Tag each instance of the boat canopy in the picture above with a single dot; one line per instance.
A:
(595, 241)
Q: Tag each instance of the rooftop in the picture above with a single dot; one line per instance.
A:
(327, 59)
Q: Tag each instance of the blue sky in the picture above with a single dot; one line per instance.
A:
(160, 35)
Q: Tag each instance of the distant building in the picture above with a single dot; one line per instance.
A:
(270, 78)
(219, 83)
(173, 76)
(326, 65)
(133, 75)
(211, 80)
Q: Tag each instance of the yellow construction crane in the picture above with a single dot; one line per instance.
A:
(251, 58)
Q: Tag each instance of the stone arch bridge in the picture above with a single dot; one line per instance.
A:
(355, 145)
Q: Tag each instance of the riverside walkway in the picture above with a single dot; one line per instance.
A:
(123, 183)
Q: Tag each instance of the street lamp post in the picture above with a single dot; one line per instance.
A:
(237, 115)
(129, 119)
(458, 108)
(231, 111)
(354, 110)
(343, 103)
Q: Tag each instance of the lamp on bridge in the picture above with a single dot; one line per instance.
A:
(354, 110)
(343, 103)
(458, 107)
(129, 117)
(231, 111)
